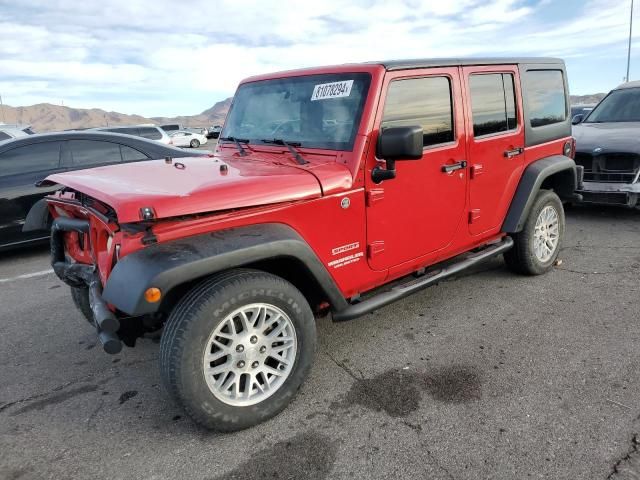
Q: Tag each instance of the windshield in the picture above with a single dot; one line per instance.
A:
(619, 106)
(315, 111)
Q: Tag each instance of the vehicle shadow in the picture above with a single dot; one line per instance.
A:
(25, 253)
(602, 212)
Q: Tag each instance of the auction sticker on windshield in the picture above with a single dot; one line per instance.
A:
(332, 90)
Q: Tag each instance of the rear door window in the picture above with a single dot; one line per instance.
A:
(493, 103)
(4, 136)
(546, 97)
(92, 152)
(421, 101)
(39, 157)
(150, 133)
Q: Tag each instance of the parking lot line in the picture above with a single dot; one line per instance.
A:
(26, 275)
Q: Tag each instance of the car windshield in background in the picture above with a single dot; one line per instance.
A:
(619, 106)
(315, 111)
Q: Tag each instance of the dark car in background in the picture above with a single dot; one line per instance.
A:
(583, 110)
(608, 147)
(27, 160)
(214, 131)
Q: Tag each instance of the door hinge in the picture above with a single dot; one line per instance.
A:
(375, 248)
(374, 195)
(476, 170)
(474, 215)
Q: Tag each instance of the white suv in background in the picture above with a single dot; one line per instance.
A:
(8, 131)
(146, 131)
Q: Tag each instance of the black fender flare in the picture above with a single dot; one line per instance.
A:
(560, 168)
(170, 264)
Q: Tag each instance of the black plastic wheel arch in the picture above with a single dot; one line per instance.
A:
(170, 264)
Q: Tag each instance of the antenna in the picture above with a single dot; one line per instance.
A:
(630, 32)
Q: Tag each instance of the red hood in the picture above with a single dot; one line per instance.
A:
(202, 185)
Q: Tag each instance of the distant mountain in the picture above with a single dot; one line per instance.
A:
(211, 116)
(45, 117)
(587, 99)
(218, 108)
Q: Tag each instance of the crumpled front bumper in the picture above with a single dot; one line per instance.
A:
(611, 193)
(80, 275)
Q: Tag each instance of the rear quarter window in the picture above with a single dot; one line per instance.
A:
(4, 136)
(546, 97)
(131, 154)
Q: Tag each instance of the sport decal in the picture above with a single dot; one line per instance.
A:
(345, 248)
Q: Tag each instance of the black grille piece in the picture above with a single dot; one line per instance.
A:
(610, 198)
(614, 167)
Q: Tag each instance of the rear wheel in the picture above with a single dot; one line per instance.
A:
(236, 349)
(195, 143)
(537, 246)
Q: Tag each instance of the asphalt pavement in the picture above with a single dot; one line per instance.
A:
(490, 375)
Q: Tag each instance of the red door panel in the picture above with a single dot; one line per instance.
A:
(420, 210)
(496, 143)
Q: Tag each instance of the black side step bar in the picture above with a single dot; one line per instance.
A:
(406, 289)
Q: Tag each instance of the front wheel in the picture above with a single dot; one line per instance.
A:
(537, 246)
(195, 143)
(236, 349)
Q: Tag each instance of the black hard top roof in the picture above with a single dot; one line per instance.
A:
(451, 62)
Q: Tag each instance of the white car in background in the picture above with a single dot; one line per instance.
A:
(183, 138)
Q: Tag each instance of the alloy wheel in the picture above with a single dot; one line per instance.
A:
(546, 234)
(250, 354)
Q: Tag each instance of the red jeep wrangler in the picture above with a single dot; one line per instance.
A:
(336, 189)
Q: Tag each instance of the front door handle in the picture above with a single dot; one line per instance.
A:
(452, 167)
(514, 153)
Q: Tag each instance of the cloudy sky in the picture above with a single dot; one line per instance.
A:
(158, 57)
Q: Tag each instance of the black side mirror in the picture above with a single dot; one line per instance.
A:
(397, 143)
(577, 119)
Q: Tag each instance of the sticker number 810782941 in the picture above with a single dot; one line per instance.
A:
(332, 90)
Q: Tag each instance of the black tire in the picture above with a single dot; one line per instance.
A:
(195, 143)
(522, 258)
(193, 320)
(80, 298)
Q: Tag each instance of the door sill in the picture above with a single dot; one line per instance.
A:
(403, 290)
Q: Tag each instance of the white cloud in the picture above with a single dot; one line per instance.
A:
(166, 57)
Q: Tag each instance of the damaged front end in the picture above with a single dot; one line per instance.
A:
(611, 178)
(85, 246)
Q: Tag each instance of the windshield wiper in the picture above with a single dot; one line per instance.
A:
(238, 142)
(289, 145)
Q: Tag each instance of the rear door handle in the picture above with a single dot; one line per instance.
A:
(514, 153)
(452, 167)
